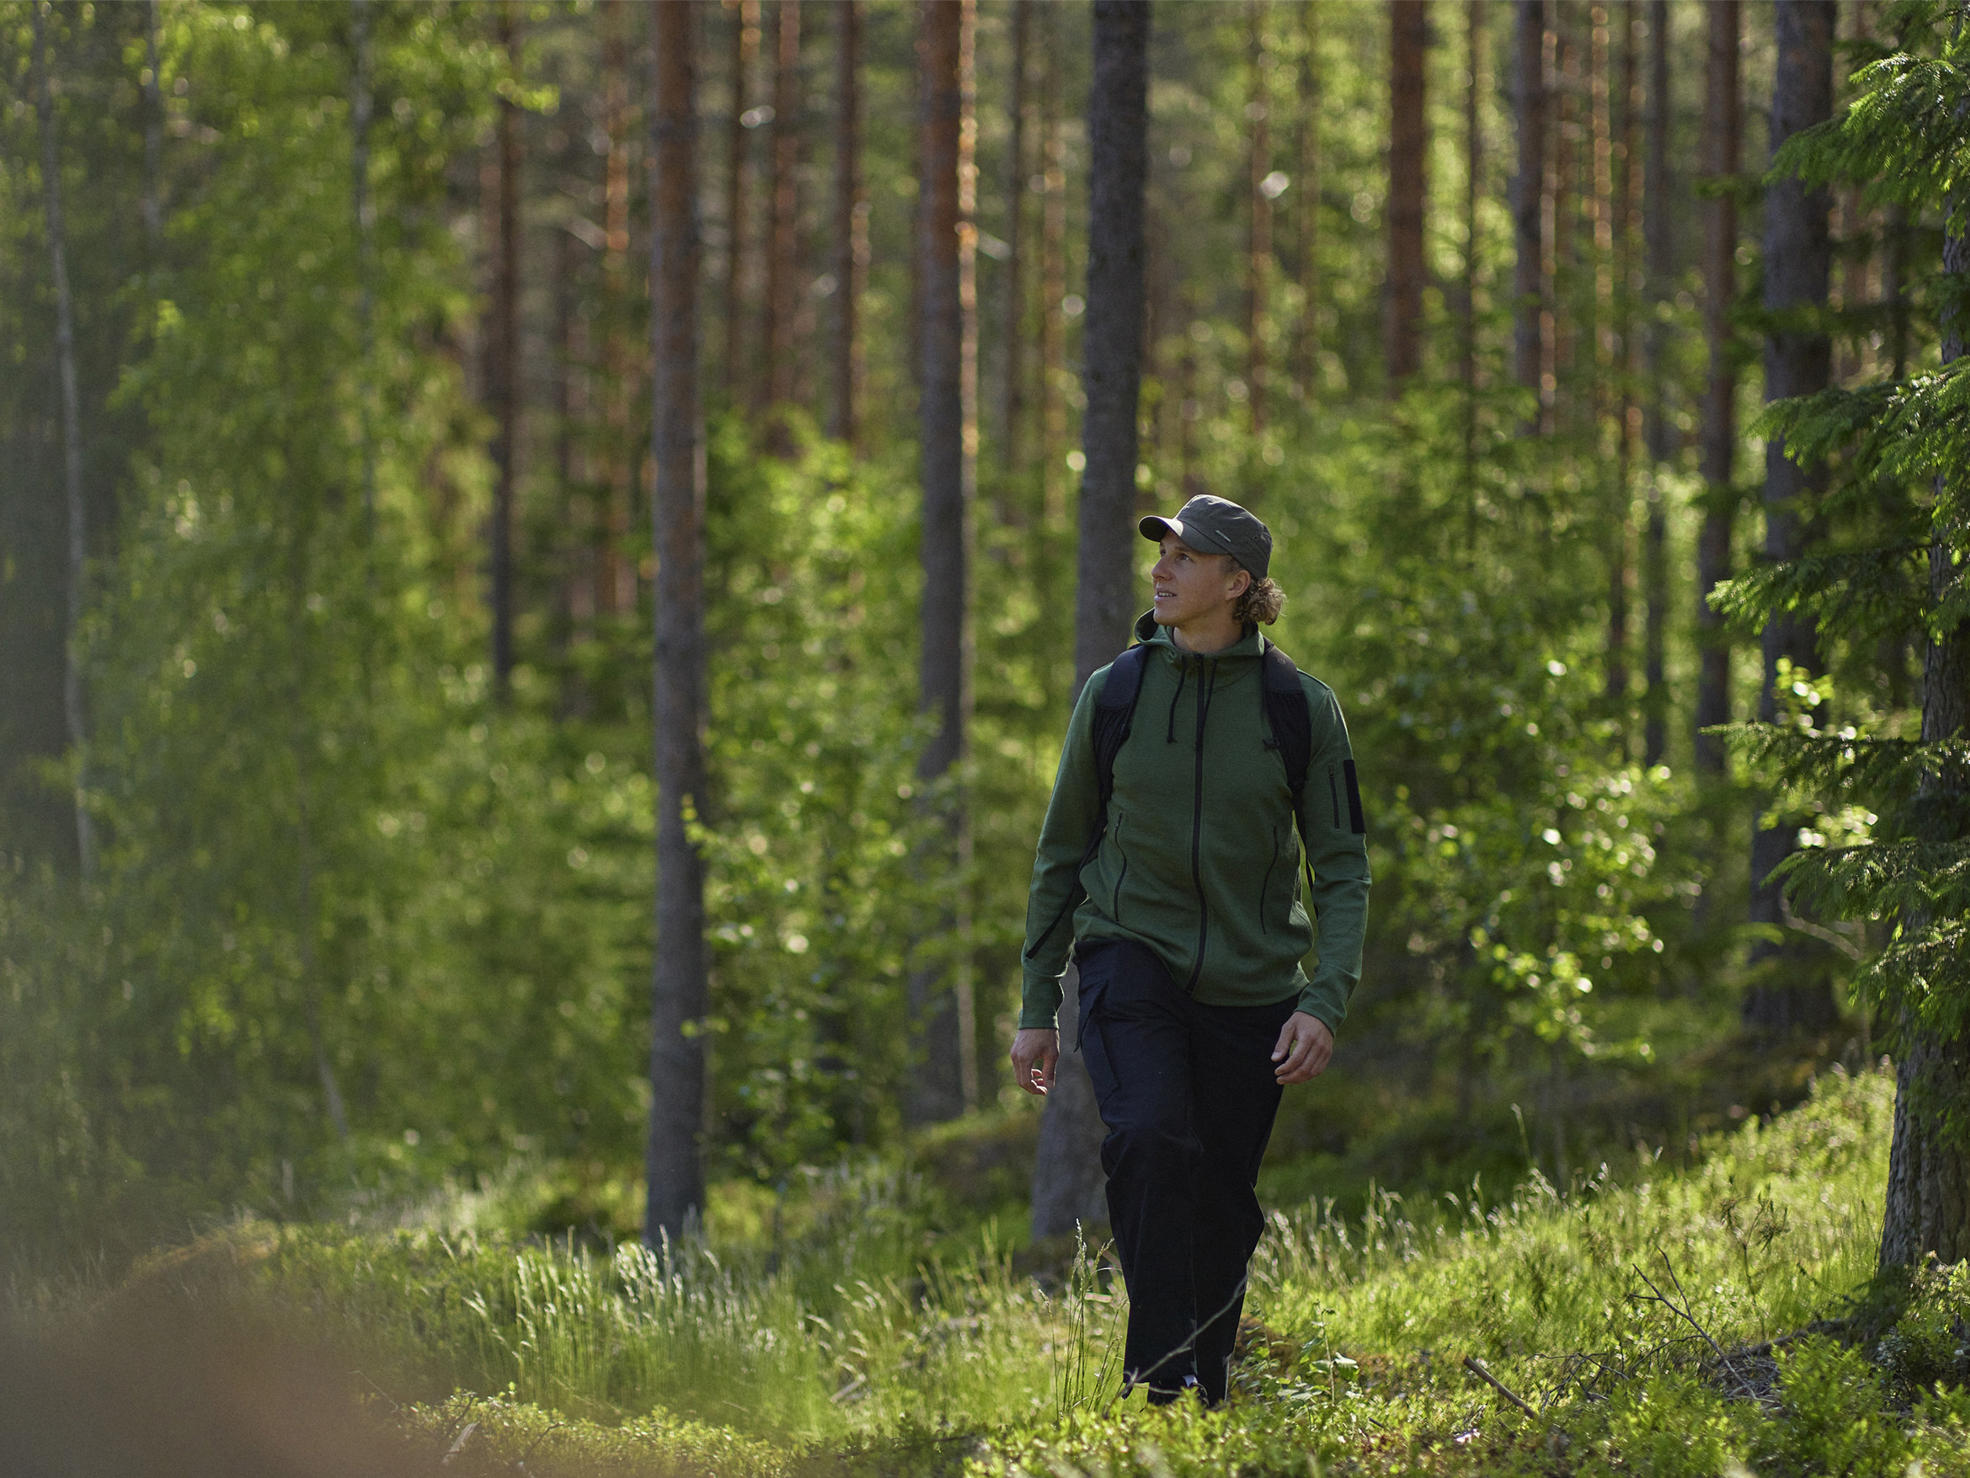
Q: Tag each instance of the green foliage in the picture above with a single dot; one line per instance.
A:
(812, 894)
(1896, 449)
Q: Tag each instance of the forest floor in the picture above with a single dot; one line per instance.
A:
(1713, 1315)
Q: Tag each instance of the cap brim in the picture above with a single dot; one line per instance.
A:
(1155, 527)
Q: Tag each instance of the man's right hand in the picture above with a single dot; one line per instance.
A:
(1035, 1050)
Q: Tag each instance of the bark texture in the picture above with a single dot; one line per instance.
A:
(1719, 433)
(1258, 242)
(679, 986)
(72, 495)
(945, 1083)
(779, 379)
(502, 361)
(1532, 333)
(745, 47)
(1409, 27)
(1067, 1180)
(1659, 252)
(851, 227)
(1798, 361)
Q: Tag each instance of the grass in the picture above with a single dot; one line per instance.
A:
(1646, 1318)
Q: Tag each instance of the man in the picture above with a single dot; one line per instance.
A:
(1189, 928)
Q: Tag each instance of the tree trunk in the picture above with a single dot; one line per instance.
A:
(1613, 396)
(1532, 334)
(1927, 1206)
(1467, 362)
(777, 385)
(502, 359)
(78, 527)
(945, 1082)
(154, 137)
(1713, 556)
(1659, 252)
(621, 359)
(1785, 999)
(1258, 242)
(745, 46)
(1067, 1179)
(1305, 350)
(851, 225)
(1012, 331)
(361, 103)
(679, 986)
(1053, 286)
(1409, 26)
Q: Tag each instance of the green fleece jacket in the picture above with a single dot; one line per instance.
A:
(1200, 859)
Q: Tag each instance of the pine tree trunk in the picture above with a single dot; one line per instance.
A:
(621, 358)
(1531, 315)
(1927, 1206)
(1785, 999)
(1612, 395)
(1719, 435)
(1660, 266)
(1467, 366)
(361, 104)
(1565, 192)
(851, 226)
(1012, 328)
(502, 361)
(73, 708)
(1305, 350)
(1409, 25)
(1258, 242)
(777, 385)
(945, 1083)
(679, 985)
(745, 46)
(1053, 286)
(1067, 1178)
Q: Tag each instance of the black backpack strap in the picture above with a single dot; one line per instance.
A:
(1114, 711)
(1291, 722)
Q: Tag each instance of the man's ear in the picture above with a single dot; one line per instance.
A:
(1241, 579)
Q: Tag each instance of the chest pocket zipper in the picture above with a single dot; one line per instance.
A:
(1265, 888)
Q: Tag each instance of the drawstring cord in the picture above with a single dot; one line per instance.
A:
(1183, 673)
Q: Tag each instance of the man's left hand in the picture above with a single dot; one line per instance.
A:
(1305, 1046)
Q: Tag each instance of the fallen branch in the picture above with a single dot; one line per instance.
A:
(1682, 1311)
(1477, 1368)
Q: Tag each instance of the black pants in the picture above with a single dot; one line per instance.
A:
(1188, 1096)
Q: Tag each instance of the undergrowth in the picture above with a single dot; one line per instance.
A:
(1709, 1319)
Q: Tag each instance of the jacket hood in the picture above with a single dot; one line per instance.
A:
(1251, 644)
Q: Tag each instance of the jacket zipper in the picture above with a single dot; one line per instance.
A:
(1197, 833)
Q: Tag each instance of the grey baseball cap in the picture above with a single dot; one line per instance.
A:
(1217, 526)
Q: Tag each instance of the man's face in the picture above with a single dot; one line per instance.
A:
(1190, 586)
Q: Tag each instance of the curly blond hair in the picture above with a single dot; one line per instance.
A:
(1260, 603)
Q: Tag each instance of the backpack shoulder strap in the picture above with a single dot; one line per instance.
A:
(1114, 712)
(1289, 718)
